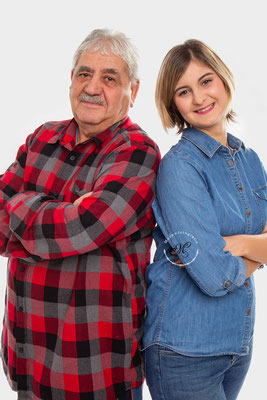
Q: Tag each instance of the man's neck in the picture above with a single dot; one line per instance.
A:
(85, 132)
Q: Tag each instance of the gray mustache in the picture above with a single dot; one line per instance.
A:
(91, 99)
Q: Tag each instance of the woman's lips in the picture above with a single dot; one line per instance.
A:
(205, 110)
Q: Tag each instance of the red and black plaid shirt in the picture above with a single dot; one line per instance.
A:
(75, 292)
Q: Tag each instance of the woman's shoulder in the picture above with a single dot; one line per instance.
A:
(250, 156)
(184, 154)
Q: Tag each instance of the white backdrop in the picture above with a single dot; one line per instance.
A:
(38, 39)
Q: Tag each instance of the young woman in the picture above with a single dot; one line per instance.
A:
(210, 188)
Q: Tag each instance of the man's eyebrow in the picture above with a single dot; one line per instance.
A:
(200, 79)
(112, 71)
(83, 68)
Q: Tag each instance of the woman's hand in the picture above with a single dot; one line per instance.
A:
(253, 247)
(252, 266)
(235, 244)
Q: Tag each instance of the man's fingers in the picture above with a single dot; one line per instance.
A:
(178, 261)
(78, 201)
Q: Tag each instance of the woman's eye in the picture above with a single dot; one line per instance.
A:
(183, 93)
(206, 81)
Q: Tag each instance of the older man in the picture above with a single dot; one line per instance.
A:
(76, 225)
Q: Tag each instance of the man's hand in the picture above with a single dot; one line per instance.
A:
(177, 261)
(80, 199)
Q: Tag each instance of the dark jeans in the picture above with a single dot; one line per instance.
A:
(171, 376)
(133, 394)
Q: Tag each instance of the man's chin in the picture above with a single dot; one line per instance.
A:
(85, 119)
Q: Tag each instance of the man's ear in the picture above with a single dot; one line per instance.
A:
(134, 89)
(71, 74)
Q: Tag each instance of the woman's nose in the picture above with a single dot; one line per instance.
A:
(198, 97)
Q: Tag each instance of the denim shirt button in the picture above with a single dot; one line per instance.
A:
(247, 284)
(248, 213)
(227, 284)
(248, 313)
(240, 187)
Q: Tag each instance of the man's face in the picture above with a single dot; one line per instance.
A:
(100, 92)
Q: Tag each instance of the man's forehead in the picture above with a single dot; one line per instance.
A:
(97, 60)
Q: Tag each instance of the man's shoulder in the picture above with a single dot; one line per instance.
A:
(133, 135)
(54, 126)
(50, 131)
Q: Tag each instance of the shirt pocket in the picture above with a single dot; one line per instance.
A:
(261, 201)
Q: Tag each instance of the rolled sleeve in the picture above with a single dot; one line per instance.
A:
(11, 184)
(185, 214)
(240, 276)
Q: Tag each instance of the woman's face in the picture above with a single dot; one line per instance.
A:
(201, 98)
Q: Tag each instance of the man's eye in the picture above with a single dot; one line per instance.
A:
(109, 79)
(82, 76)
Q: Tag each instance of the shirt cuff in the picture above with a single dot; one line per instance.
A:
(240, 276)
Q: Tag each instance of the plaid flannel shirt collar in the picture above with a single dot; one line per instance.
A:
(67, 136)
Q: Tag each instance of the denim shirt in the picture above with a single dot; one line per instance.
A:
(204, 191)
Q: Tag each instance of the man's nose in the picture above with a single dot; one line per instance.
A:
(93, 86)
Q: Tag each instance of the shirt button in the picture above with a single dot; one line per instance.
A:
(247, 284)
(248, 213)
(240, 187)
(248, 313)
(72, 158)
(227, 284)
(22, 269)
(20, 308)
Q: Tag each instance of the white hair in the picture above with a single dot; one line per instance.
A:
(108, 41)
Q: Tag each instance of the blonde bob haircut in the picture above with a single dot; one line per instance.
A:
(173, 66)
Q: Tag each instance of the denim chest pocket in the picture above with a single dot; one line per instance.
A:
(261, 200)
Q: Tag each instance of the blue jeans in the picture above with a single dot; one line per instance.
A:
(171, 376)
(133, 394)
(137, 393)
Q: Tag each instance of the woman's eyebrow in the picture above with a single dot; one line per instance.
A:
(200, 79)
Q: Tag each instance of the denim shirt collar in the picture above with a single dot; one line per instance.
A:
(207, 144)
